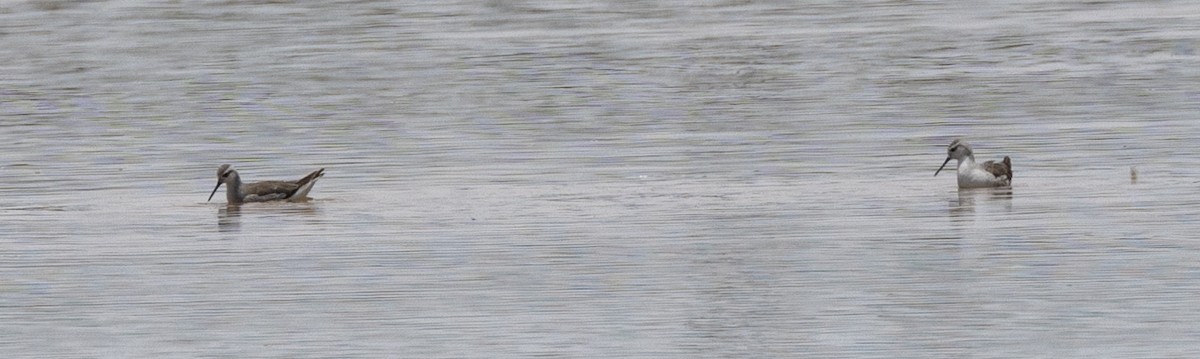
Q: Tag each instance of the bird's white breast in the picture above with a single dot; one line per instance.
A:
(971, 175)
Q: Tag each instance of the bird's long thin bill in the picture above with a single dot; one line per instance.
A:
(934, 174)
(219, 185)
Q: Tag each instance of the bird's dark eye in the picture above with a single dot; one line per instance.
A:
(225, 175)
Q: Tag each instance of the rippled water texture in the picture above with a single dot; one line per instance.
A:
(510, 179)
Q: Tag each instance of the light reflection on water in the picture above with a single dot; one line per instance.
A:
(523, 179)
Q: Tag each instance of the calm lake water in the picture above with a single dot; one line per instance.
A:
(589, 179)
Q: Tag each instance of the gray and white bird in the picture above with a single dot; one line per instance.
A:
(237, 192)
(977, 175)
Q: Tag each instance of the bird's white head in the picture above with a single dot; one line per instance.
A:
(958, 150)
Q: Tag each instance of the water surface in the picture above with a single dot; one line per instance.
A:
(593, 179)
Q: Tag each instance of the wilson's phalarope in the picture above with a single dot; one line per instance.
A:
(238, 192)
(974, 175)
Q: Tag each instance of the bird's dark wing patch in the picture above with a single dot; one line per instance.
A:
(268, 188)
(998, 169)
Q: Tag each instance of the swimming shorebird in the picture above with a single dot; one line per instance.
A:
(238, 192)
(975, 175)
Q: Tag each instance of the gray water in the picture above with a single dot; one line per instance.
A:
(595, 179)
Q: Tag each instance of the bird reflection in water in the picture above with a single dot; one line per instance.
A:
(229, 217)
(968, 198)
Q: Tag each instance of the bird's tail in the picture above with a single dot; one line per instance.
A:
(1008, 165)
(312, 176)
(306, 184)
